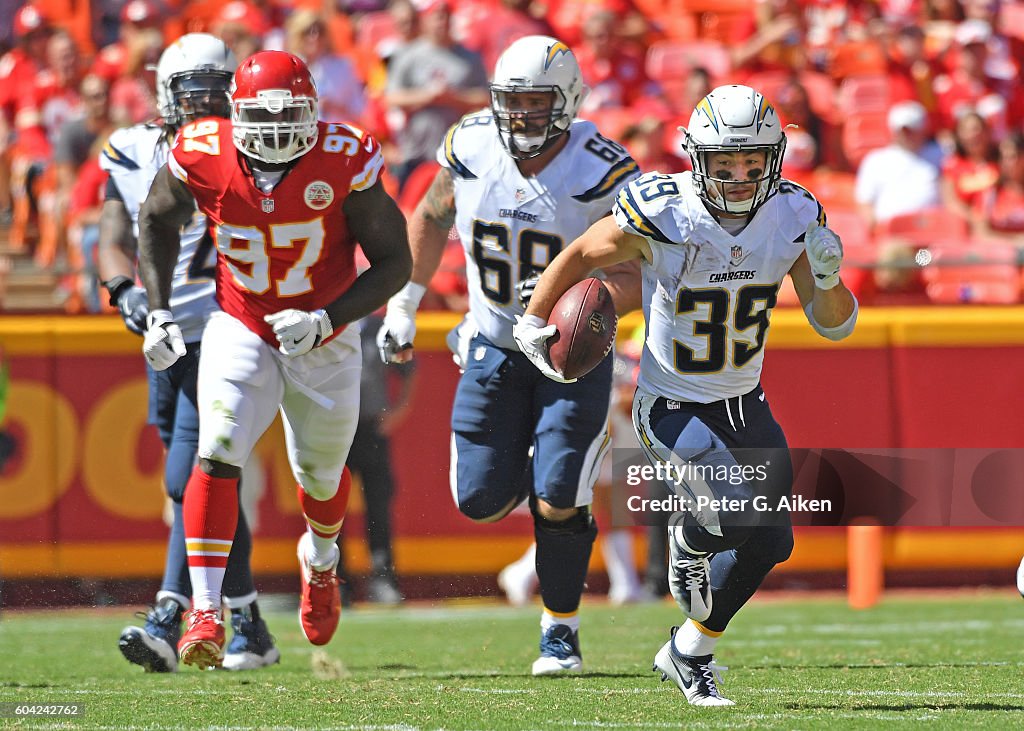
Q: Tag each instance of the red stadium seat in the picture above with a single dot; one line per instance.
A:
(978, 271)
(670, 60)
(928, 226)
(863, 133)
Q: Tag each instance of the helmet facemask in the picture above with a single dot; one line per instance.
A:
(526, 129)
(274, 127)
(199, 93)
(715, 190)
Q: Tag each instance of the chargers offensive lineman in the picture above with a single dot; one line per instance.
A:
(715, 245)
(287, 199)
(520, 181)
(192, 80)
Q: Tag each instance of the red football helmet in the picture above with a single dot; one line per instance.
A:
(274, 107)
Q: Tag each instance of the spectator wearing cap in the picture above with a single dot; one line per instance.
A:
(1005, 52)
(902, 177)
(968, 82)
(341, 93)
(898, 179)
(51, 100)
(242, 27)
(432, 82)
(137, 16)
(971, 169)
(18, 70)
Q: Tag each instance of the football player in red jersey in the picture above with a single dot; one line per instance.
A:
(287, 198)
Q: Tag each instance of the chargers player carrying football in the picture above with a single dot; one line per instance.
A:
(192, 78)
(287, 198)
(715, 244)
(519, 181)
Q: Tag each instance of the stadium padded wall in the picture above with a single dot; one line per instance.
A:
(83, 495)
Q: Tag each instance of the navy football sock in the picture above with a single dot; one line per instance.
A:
(563, 555)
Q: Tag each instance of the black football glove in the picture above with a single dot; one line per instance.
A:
(131, 302)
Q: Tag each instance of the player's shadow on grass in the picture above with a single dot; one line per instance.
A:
(944, 706)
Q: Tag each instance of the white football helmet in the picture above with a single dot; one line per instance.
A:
(193, 77)
(732, 119)
(535, 64)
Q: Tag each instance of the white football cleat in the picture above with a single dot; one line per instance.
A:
(697, 677)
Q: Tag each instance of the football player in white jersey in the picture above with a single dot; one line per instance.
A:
(520, 181)
(714, 245)
(193, 76)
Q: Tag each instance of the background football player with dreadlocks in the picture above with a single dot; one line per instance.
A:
(193, 77)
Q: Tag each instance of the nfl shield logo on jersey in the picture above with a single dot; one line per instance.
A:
(267, 204)
(737, 254)
(520, 195)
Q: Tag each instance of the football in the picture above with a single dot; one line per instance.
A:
(585, 318)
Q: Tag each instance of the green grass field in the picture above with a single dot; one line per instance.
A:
(950, 661)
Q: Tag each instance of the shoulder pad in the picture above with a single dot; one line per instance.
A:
(464, 141)
(801, 205)
(604, 165)
(645, 206)
(129, 148)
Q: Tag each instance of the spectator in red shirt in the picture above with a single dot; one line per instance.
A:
(613, 70)
(53, 98)
(1001, 208)
(972, 169)
(911, 71)
(112, 60)
(18, 69)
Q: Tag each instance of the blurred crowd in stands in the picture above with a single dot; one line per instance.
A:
(906, 115)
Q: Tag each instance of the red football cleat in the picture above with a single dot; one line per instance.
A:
(320, 604)
(202, 644)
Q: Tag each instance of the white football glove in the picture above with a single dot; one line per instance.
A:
(458, 339)
(299, 331)
(531, 334)
(824, 253)
(163, 343)
(399, 329)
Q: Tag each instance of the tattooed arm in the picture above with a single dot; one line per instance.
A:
(429, 226)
